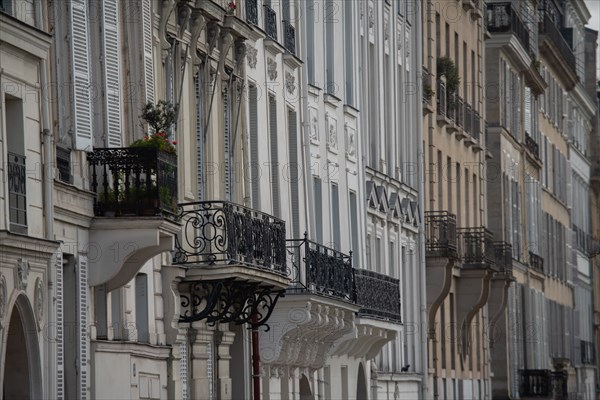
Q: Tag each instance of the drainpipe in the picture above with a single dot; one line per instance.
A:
(48, 202)
(255, 359)
(421, 186)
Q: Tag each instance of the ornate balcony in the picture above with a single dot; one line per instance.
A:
(469, 116)
(252, 11)
(588, 352)
(503, 252)
(321, 270)
(133, 182)
(218, 234)
(532, 146)
(460, 111)
(536, 262)
(378, 295)
(476, 246)
(289, 33)
(543, 383)
(550, 32)
(440, 234)
(17, 193)
(503, 18)
(270, 20)
(442, 104)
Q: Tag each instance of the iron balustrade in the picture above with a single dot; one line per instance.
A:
(451, 106)
(270, 17)
(476, 131)
(252, 11)
(476, 246)
(440, 233)
(460, 111)
(225, 233)
(289, 37)
(17, 193)
(133, 181)
(378, 295)
(503, 252)
(548, 29)
(543, 383)
(584, 242)
(503, 18)
(536, 262)
(532, 146)
(469, 119)
(320, 269)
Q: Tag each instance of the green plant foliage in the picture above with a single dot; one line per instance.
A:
(447, 69)
(157, 140)
(159, 117)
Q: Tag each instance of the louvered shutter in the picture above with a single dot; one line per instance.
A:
(335, 211)
(148, 60)
(318, 207)
(227, 142)
(528, 116)
(82, 313)
(294, 175)
(254, 161)
(82, 111)
(274, 156)
(200, 133)
(112, 72)
(60, 353)
(183, 368)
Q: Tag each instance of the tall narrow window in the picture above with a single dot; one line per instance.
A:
(374, 90)
(450, 183)
(141, 307)
(447, 40)
(354, 226)
(335, 216)
(310, 40)
(318, 207)
(438, 36)
(331, 16)
(274, 156)
(378, 254)
(349, 53)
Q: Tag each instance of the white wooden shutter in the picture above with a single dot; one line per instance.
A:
(82, 112)
(200, 133)
(254, 162)
(528, 116)
(60, 354)
(112, 72)
(274, 156)
(82, 311)
(148, 60)
(294, 175)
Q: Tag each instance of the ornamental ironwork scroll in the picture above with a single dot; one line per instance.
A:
(229, 300)
(218, 232)
(378, 295)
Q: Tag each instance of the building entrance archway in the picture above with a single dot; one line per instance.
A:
(22, 370)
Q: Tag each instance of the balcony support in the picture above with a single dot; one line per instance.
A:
(472, 293)
(367, 340)
(119, 248)
(439, 282)
(497, 302)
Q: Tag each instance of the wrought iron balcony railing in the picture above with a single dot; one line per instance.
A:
(440, 234)
(503, 18)
(543, 383)
(476, 130)
(547, 28)
(289, 32)
(17, 193)
(504, 257)
(536, 262)
(252, 11)
(476, 246)
(320, 269)
(378, 295)
(222, 233)
(460, 111)
(270, 19)
(469, 116)
(532, 146)
(133, 181)
(442, 101)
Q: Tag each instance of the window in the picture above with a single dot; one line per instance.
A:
(335, 216)
(274, 156)
(349, 53)
(354, 227)
(318, 207)
(330, 24)
(310, 41)
(141, 307)
(294, 175)
(17, 176)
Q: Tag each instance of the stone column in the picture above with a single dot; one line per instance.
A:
(200, 357)
(224, 341)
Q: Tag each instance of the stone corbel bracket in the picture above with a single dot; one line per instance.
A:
(197, 25)
(439, 283)
(166, 9)
(498, 300)
(225, 43)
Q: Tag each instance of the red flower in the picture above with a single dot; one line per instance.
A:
(174, 142)
(231, 5)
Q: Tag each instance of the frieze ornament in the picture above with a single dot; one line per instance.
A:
(350, 141)
(272, 69)
(314, 123)
(22, 272)
(39, 301)
(251, 54)
(290, 82)
(332, 132)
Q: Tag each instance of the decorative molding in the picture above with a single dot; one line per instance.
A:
(350, 140)
(39, 301)
(313, 116)
(332, 137)
(290, 82)
(22, 273)
(251, 53)
(272, 69)
(212, 35)
(3, 298)
(240, 54)
(225, 43)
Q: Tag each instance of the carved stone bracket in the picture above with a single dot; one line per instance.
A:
(228, 300)
(197, 25)
(212, 35)
(167, 7)
(225, 43)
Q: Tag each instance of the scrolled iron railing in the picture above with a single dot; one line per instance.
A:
(503, 252)
(224, 233)
(476, 246)
(536, 262)
(503, 18)
(138, 181)
(440, 233)
(252, 11)
(319, 269)
(289, 32)
(442, 101)
(378, 295)
(532, 146)
(547, 28)
(270, 20)
(17, 193)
